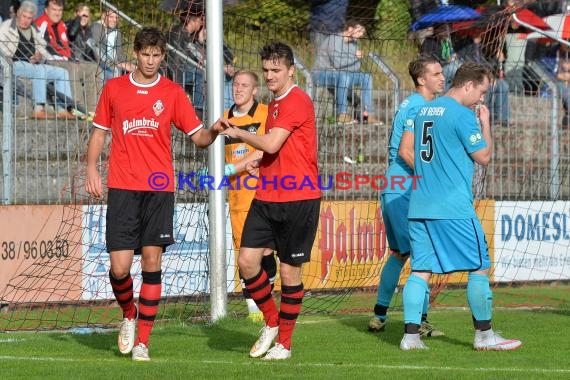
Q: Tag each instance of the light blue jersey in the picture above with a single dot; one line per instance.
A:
(446, 133)
(397, 167)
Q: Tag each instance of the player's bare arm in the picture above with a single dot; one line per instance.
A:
(204, 137)
(406, 149)
(483, 156)
(93, 184)
(268, 143)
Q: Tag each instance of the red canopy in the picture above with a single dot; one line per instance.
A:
(531, 18)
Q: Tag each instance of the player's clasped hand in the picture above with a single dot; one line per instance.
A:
(232, 131)
(222, 125)
(483, 114)
(253, 168)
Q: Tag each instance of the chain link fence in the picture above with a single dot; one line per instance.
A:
(41, 158)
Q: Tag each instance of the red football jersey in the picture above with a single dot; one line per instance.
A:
(57, 38)
(291, 174)
(139, 117)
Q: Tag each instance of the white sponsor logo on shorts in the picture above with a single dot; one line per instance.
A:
(300, 254)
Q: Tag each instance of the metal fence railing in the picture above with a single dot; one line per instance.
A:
(7, 175)
(42, 158)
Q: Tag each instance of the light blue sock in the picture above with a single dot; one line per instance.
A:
(389, 280)
(480, 297)
(426, 303)
(414, 297)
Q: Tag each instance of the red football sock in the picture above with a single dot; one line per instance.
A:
(259, 289)
(123, 291)
(291, 302)
(149, 299)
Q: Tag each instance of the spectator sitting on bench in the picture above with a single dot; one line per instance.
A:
(327, 17)
(22, 42)
(79, 33)
(53, 29)
(338, 64)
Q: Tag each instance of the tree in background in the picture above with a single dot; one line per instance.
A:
(392, 19)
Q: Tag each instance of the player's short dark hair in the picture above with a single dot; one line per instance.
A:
(276, 51)
(149, 37)
(418, 67)
(471, 71)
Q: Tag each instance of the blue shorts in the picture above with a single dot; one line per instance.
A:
(395, 214)
(448, 245)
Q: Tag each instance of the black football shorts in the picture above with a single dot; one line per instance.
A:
(288, 227)
(136, 219)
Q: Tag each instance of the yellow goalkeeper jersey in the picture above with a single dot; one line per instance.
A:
(236, 150)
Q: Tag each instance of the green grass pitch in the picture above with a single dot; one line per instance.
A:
(332, 346)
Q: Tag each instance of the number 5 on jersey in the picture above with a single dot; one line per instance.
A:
(426, 148)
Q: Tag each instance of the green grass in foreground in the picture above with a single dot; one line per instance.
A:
(44, 318)
(324, 347)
